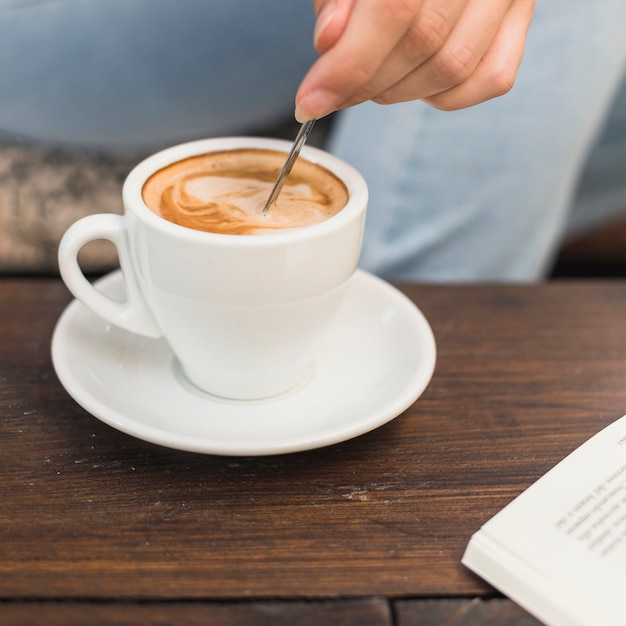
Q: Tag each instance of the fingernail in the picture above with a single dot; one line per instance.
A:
(301, 116)
(316, 104)
(323, 20)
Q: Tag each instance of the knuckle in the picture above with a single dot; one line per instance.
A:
(502, 81)
(456, 64)
(428, 32)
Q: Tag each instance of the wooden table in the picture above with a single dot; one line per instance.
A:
(98, 527)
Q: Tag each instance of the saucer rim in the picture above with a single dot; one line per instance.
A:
(102, 411)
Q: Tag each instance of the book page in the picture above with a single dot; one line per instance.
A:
(598, 520)
(568, 530)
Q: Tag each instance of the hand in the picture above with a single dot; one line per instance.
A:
(449, 53)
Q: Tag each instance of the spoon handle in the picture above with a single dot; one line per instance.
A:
(301, 137)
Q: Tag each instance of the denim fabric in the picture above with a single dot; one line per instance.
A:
(143, 74)
(485, 193)
(488, 192)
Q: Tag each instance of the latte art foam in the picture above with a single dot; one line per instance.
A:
(225, 192)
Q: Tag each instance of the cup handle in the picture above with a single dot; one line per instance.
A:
(134, 314)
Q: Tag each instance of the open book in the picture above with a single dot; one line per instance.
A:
(559, 549)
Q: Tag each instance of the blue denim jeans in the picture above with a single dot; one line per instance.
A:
(486, 193)
(144, 74)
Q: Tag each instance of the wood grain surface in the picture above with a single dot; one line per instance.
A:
(87, 514)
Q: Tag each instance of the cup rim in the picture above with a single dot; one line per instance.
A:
(352, 179)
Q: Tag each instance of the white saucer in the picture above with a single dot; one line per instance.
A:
(378, 360)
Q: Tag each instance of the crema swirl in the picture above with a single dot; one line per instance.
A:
(225, 192)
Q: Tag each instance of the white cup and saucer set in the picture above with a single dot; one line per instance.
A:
(238, 345)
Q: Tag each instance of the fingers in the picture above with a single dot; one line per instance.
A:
(495, 74)
(450, 53)
(457, 58)
(373, 30)
(428, 32)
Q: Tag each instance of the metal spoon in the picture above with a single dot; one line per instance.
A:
(301, 137)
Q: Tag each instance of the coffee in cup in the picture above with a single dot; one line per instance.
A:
(226, 191)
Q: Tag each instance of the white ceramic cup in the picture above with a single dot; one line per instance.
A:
(245, 315)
